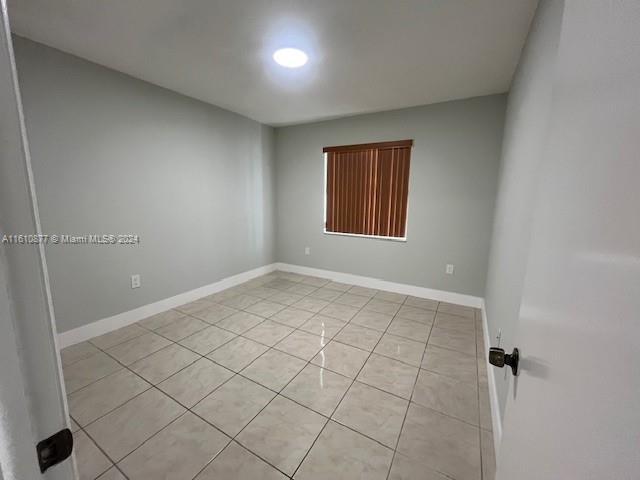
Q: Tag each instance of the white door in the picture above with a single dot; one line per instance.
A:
(573, 413)
(32, 397)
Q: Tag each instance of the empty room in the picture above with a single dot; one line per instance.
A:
(319, 239)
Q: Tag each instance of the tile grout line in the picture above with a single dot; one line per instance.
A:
(328, 419)
(349, 388)
(189, 408)
(233, 439)
(246, 291)
(395, 450)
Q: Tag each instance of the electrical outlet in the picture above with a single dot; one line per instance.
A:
(135, 281)
(499, 337)
(450, 268)
(307, 250)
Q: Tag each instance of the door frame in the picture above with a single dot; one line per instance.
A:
(27, 322)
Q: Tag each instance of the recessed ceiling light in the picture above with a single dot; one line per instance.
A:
(290, 57)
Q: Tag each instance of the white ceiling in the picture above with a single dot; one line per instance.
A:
(365, 55)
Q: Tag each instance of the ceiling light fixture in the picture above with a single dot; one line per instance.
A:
(290, 57)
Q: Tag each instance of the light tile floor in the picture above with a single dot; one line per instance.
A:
(286, 376)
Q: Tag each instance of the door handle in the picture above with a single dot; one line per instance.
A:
(498, 358)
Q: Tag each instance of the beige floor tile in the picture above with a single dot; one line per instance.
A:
(292, 317)
(488, 455)
(120, 335)
(405, 468)
(222, 295)
(268, 332)
(161, 319)
(112, 474)
(195, 382)
(88, 370)
(181, 328)
(340, 287)
(237, 463)
(362, 291)
(373, 413)
(318, 389)
(137, 348)
(336, 329)
(302, 289)
(389, 375)
(445, 320)
(310, 304)
(262, 292)
(77, 352)
(446, 395)
(214, 313)
(265, 308)
(180, 450)
(450, 363)
(406, 328)
(274, 369)
(356, 301)
(99, 398)
(325, 294)
(323, 326)
(240, 322)
(315, 281)
(286, 298)
(391, 297)
(416, 314)
(370, 319)
(118, 433)
(342, 454)
(238, 353)
(401, 348)
(162, 364)
(340, 358)
(357, 336)
(233, 405)
(207, 340)
(339, 311)
(382, 306)
(194, 307)
(280, 284)
(301, 344)
(424, 303)
(459, 310)
(90, 460)
(463, 342)
(443, 443)
(282, 433)
(241, 301)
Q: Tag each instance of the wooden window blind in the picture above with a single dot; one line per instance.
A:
(367, 188)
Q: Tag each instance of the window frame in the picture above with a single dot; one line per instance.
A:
(360, 235)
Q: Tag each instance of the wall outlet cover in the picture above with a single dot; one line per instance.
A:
(135, 281)
(450, 269)
(307, 250)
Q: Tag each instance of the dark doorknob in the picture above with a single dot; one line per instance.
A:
(498, 358)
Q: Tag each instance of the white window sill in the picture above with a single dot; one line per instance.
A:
(374, 237)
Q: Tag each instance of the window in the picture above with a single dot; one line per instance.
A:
(367, 188)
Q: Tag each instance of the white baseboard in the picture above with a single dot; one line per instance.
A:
(370, 282)
(123, 319)
(496, 422)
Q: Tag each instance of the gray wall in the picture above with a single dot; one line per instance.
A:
(452, 188)
(524, 138)
(112, 154)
